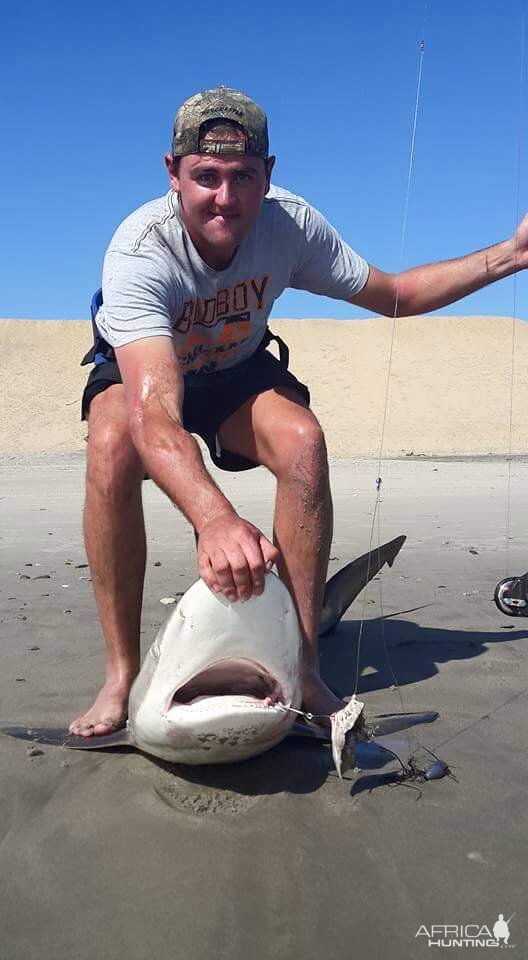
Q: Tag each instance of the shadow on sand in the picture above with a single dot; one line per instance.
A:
(413, 651)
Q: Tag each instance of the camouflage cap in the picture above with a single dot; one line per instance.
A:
(221, 103)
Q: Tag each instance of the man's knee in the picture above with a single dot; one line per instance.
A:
(113, 466)
(300, 450)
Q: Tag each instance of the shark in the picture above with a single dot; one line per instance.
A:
(222, 681)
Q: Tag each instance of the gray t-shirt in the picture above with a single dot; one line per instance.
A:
(156, 284)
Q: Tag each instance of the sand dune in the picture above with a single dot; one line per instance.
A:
(449, 385)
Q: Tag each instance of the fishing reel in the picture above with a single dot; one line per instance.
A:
(511, 596)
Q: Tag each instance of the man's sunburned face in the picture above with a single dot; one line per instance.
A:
(220, 200)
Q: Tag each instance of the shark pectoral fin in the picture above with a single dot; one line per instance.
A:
(368, 754)
(343, 588)
(62, 738)
(380, 726)
(387, 723)
(309, 731)
(119, 738)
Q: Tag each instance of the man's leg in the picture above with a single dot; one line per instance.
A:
(277, 430)
(114, 533)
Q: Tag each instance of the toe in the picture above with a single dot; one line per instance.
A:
(102, 728)
(108, 725)
(86, 730)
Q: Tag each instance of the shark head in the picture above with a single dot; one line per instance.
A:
(215, 682)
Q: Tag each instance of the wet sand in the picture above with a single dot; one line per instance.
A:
(115, 855)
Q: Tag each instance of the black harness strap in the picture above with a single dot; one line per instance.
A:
(284, 353)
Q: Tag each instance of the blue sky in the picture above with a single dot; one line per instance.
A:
(90, 92)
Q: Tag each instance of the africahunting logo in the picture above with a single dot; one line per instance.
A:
(468, 934)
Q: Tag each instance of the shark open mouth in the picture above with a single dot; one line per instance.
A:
(228, 678)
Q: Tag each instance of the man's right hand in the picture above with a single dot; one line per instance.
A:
(234, 557)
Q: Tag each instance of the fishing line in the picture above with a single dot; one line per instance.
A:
(384, 636)
(516, 696)
(379, 481)
(486, 716)
(517, 211)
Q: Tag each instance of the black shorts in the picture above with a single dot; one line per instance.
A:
(210, 398)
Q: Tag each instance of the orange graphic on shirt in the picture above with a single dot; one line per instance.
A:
(236, 329)
(195, 351)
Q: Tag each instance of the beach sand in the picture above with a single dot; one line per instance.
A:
(115, 855)
(449, 387)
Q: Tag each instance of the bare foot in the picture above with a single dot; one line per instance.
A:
(108, 714)
(318, 699)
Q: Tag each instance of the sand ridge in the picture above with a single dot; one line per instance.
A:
(449, 386)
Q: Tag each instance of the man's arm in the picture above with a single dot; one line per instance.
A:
(435, 285)
(233, 555)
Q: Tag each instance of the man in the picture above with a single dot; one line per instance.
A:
(189, 281)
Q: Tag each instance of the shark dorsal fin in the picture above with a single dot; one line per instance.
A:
(343, 588)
